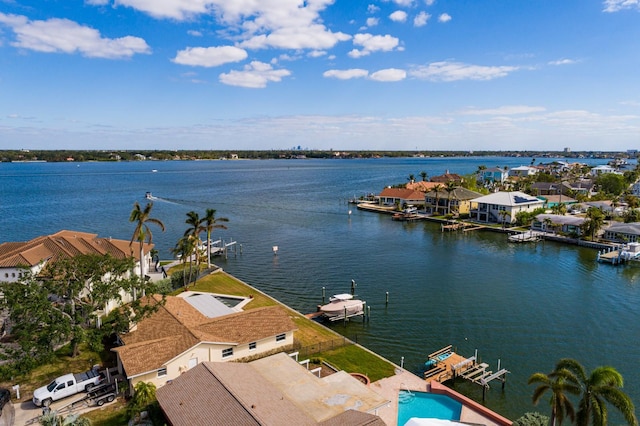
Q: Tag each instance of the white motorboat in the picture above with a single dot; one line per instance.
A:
(341, 306)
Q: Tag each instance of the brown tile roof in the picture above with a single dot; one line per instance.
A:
(226, 394)
(422, 186)
(64, 244)
(447, 177)
(177, 326)
(402, 193)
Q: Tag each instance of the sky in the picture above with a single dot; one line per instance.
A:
(320, 74)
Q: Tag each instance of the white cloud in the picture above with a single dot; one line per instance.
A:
(504, 110)
(398, 16)
(209, 56)
(444, 17)
(421, 19)
(317, 53)
(284, 24)
(618, 5)
(255, 75)
(372, 8)
(346, 74)
(390, 74)
(429, 2)
(97, 2)
(562, 62)
(309, 37)
(372, 22)
(405, 3)
(453, 71)
(371, 43)
(194, 33)
(65, 36)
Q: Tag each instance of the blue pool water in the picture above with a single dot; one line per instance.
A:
(426, 405)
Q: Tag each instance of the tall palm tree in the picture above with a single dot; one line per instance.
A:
(437, 190)
(184, 249)
(595, 221)
(557, 383)
(602, 386)
(193, 231)
(142, 233)
(450, 188)
(423, 175)
(210, 223)
(411, 178)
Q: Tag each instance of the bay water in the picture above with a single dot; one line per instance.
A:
(527, 305)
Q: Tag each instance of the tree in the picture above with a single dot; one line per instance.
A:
(184, 250)
(594, 222)
(531, 419)
(611, 183)
(142, 233)
(437, 190)
(503, 217)
(411, 178)
(61, 305)
(451, 189)
(423, 175)
(211, 223)
(559, 385)
(597, 389)
(193, 231)
(144, 395)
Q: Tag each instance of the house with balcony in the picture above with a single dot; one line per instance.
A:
(502, 207)
(493, 175)
(523, 171)
(441, 202)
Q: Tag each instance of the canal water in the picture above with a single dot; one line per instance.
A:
(527, 305)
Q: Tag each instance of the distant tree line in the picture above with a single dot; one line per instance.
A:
(163, 155)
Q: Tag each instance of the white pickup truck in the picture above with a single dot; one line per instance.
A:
(67, 385)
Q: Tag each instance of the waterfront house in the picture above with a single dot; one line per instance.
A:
(493, 175)
(503, 206)
(448, 177)
(623, 232)
(523, 171)
(197, 327)
(442, 202)
(601, 170)
(274, 390)
(19, 258)
(401, 197)
(422, 185)
(558, 223)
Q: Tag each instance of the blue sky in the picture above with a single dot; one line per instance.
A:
(320, 74)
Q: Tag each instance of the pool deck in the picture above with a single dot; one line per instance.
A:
(389, 388)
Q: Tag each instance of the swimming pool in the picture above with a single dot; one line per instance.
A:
(426, 405)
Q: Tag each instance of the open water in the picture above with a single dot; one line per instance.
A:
(525, 304)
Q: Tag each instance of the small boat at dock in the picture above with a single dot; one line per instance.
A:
(342, 306)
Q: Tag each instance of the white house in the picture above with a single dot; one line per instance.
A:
(503, 206)
(600, 170)
(493, 175)
(523, 171)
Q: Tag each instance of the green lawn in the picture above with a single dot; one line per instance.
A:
(354, 359)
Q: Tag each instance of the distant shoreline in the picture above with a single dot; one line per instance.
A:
(60, 156)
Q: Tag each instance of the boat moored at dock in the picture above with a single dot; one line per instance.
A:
(342, 306)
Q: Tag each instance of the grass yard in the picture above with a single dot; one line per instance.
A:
(354, 359)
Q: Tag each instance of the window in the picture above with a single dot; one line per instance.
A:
(162, 372)
(252, 346)
(227, 352)
(281, 337)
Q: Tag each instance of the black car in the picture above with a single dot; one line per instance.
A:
(5, 396)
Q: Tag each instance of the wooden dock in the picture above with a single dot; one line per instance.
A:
(448, 365)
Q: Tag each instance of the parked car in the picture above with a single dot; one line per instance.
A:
(67, 385)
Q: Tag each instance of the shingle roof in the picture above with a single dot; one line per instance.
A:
(63, 244)
(632, 228)
(459, 193)
(215, 394)
(177, 326)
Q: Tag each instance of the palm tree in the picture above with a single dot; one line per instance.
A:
(193, 231)
(142, 233)
(600, 387)
(411, 178)
(437, 190)
(184, 249)
(423, 175)
(595, 221)
(450, 188)
(210, 223)
(503, 217)
(143, 396)
(557, 383)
